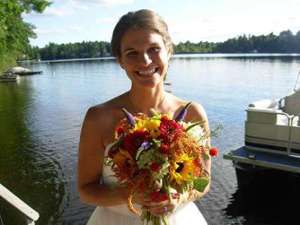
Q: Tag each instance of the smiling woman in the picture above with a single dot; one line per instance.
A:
(143, 47)
(144, 57)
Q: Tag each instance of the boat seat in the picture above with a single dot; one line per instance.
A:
(269, 112)
(263, 111)
(291, 103)
(264, 104)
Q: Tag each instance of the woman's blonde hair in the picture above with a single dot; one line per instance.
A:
(141, 19)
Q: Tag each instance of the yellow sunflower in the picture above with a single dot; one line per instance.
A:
(183, 169)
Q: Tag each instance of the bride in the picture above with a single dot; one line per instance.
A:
(143, 47)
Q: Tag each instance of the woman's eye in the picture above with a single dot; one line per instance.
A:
(155, 49)
(132, 53)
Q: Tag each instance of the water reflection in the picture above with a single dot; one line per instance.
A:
(25, 169)
(269, 199)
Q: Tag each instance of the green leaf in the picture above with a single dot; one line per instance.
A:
(193, 125)
(201, 183)
(145, 158)
(205, 156)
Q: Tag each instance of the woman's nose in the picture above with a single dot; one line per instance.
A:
(145, 59)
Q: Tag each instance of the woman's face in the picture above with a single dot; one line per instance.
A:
(144, 57)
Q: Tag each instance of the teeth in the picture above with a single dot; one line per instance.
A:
(146, 72)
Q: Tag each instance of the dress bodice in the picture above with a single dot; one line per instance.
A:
(108, 177)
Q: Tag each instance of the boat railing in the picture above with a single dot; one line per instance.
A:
(296, 83)
(291, 126)
(30, 214)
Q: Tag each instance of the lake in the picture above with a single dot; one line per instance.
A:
(41, 118)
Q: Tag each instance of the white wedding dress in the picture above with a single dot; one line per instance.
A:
(120, 214)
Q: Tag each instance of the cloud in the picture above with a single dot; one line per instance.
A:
(53, 12)
(58, 31)
(107, 20)
(106, 3)
(221, 28)
(58, 11)
(75, 28)
(49, 31)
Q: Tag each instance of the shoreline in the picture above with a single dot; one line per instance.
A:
(179, 55)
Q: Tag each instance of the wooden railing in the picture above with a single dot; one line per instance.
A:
(30, 214)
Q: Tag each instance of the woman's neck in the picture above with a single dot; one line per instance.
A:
(143, 100)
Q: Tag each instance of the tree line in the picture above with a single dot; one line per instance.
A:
(285, 42)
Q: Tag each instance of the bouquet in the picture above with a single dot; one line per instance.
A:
(159, 156)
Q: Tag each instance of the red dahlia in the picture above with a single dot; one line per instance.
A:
(134, 140)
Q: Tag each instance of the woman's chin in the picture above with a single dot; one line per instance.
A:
(148, 82)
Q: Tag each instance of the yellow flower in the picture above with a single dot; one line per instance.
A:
(151, 125)
(182, 169)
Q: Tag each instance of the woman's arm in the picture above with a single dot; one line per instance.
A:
(90, 162)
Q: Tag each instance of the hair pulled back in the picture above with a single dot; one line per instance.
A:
(141, 19)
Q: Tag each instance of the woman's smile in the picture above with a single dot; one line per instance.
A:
(147, 72)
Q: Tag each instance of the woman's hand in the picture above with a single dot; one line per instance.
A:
(169, 206)
(139, 198)
(163, 207)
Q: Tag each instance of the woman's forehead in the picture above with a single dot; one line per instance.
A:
(135, 38)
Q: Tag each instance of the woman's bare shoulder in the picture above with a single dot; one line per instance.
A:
(106, 110)
(103, 118)
(196, 111)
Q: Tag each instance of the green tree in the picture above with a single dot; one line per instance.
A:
(14, 32)
(286, 39)
(271, 43)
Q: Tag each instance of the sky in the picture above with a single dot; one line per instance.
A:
(69, 21)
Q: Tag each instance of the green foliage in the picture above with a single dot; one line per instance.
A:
(285, 42)
(188, 47)
(75, 50)
(14, 32)
(201, 183)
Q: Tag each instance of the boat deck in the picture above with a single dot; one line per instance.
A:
(264, 159)
(29, 73)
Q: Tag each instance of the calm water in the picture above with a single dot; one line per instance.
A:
(41, 117)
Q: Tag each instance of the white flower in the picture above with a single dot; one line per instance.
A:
(197, 133)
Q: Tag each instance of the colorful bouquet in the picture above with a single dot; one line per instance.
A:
(160, 157)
